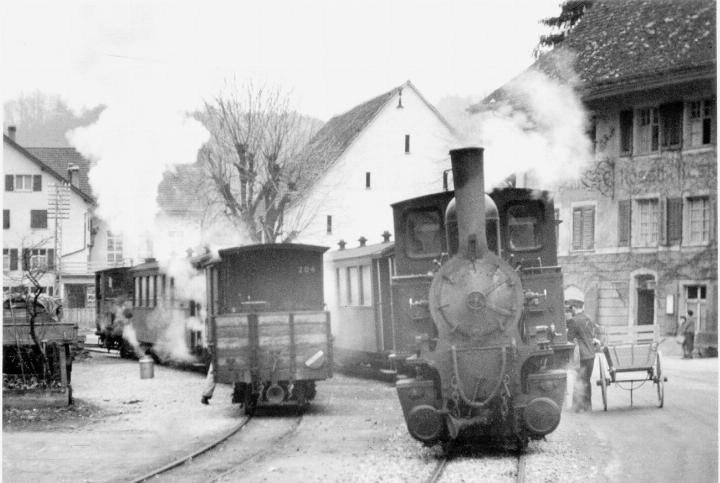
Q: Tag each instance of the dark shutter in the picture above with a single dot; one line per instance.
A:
(674, 221)
(26, 259)
(13, 259)
(626, 132)
(38, 218)
(588, 224)
(671, 120)
(577, 229)
(6, 219)
(407, 143)
(51, 259)
(367, 179)
(37, 182)
(662, 211)
(624, 223)
(9, 182)
(329, 224)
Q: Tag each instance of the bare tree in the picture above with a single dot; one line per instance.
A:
(253, 157)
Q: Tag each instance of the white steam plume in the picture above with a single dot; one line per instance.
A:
(133, 144)
(538, 127)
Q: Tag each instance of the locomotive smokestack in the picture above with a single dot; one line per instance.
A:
(467, 168)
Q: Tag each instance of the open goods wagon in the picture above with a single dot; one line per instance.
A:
(270, 331)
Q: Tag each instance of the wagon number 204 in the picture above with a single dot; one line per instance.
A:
(306, 269)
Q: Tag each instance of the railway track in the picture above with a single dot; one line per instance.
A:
(268, 447)
(185, 459)
(444, 461)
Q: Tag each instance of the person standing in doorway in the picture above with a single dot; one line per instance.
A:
(583, 332)
(687, 329)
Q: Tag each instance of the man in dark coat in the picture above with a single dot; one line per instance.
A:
(584, 333)
(688, 330)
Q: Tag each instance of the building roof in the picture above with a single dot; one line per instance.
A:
(52, 168)
(623, 42)
(60, 158)
(336, 136)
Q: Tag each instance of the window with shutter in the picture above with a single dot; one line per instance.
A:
(37, 182)
(626, 132)
(671, 121)
(6, 219)
(624, 223)
(646, 221)
(583, 228)
(6, 259)
(648, 130)
(9, 182)
(698, 224)
(701, 122)
(674, 220)
(38, 219)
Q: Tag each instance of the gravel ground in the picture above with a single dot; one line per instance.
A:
(121, 426)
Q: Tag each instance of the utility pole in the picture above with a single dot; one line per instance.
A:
(58, 209)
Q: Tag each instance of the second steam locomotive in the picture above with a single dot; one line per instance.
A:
(493, 363)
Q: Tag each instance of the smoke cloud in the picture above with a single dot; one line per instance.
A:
(537, 125)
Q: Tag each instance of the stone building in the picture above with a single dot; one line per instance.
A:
(638, 238)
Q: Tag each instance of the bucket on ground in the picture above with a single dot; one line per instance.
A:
(147, 367)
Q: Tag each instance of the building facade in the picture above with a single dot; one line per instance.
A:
(48, 227)
(638, 237)
(387, 149)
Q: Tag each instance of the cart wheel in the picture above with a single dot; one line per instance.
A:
(603, 381)
(659, 381)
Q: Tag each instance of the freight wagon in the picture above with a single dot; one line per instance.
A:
(270, 331)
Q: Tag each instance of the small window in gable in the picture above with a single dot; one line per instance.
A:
(367, 180)
(407, 144)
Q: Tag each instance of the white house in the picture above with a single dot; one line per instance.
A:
(392, 147)
(47, 222)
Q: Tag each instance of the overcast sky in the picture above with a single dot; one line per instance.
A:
(332, 54)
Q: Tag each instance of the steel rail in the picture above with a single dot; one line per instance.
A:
(439, 470)
(194, 454)
(254, 455)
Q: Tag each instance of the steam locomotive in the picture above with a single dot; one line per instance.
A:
(138, 311)
(491, 342)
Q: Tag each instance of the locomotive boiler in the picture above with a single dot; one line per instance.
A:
(492, 364)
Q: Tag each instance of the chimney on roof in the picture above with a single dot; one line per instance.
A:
(386, 236)
(11, 132)
(73, 174)
(362, 241)
(342, 244)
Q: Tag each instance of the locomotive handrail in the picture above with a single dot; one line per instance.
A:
(493, 393)
(548, 268)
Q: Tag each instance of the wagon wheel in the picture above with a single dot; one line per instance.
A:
(659, 381)
(603, 382)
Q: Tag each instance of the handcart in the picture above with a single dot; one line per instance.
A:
(629, 359)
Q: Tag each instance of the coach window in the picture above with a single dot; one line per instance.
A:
(154, 290)
(365, 285)
(523, 227)
(423, 231)
(138, 292)
(147, 291)
(353, 292)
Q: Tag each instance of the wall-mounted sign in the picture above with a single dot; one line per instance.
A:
(670, 304)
